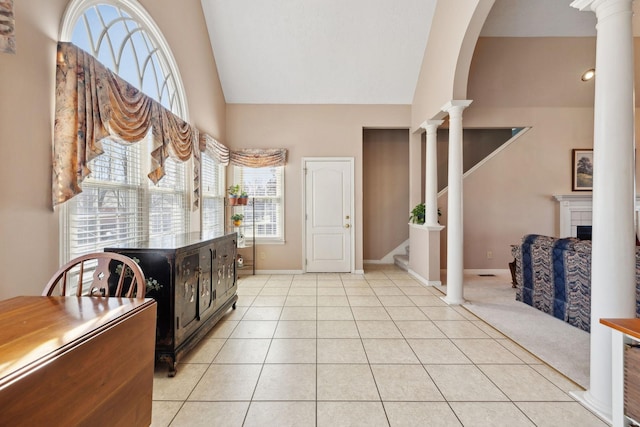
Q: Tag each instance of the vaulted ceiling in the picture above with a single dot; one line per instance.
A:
(350, 51)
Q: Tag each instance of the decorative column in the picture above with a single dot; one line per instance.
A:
(424, 256)
(415, 167)
(613, 234)
(431, 180)
(455, 225)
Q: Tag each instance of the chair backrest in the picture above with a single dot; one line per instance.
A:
(106, 265)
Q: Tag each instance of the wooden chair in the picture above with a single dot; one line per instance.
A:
(108, 264)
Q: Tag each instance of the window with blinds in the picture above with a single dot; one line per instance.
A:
(212, 195)
(168, 201)
(119, 204)
(266, 186)
(106, 212)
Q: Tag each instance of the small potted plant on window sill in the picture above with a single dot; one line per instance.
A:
(237, 219)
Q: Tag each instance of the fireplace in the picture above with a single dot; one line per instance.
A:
(575, 211)
(583, 232)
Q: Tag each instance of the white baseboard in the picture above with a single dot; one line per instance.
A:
(495, 271)
(279, 272)
(423, 280)
(265, 272)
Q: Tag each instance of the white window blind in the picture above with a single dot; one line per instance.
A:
(168, 201)
(212, 196)
(120, 205)
(107, 212)
(266, 186)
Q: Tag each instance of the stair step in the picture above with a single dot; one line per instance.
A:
(401, 261)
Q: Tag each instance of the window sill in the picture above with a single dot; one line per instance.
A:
(270, 241)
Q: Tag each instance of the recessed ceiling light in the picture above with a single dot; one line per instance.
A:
(588, 75)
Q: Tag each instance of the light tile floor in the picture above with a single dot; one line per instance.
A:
(378, 349)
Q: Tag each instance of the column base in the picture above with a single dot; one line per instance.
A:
(586, 400)
(453, 301)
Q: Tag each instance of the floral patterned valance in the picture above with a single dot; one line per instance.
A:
(258, 157)
(214, 148)
(92, 102)
(7, 27)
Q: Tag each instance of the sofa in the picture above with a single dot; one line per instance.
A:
(554, 276)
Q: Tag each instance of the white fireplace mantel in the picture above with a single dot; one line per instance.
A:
(575, 210)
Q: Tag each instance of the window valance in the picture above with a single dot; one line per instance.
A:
(214, 148)
(7, 27)
(259, 158)
(92, 103)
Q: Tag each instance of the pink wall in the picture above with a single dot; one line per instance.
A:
(386, 196)
(189, 42)
(308, 131)
(512, 194)
(455, 28)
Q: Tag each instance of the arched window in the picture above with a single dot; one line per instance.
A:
(119, 204)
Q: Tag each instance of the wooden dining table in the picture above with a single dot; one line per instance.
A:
(76, 361)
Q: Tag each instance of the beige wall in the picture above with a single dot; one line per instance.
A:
(532, 72)
(29, 252)
(511, 195)
(386, 191)
(189, 42)
(455, 28)
(507, 198)
(514, 83)
(308, 131)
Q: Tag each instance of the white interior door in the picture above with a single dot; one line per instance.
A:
(329, 215)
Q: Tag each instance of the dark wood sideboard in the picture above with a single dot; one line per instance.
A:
(76, 361)
(193, 278)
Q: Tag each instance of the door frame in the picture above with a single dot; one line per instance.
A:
(352, 196)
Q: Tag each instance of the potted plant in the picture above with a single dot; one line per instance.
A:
(418, 214)
(237, 219)
(234, 193)
(243, 198)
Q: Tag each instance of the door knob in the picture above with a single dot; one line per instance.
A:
(347, 225)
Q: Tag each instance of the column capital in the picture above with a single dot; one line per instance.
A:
(582, 5)
(603, 8)
(431, 126)
(456, 105)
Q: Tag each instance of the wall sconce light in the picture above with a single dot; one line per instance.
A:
(588, 75)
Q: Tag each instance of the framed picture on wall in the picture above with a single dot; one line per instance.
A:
(582, 167)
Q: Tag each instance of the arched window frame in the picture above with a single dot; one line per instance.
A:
(142, 193)
(77, 8)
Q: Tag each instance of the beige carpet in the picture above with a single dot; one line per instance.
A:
(560, 345)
